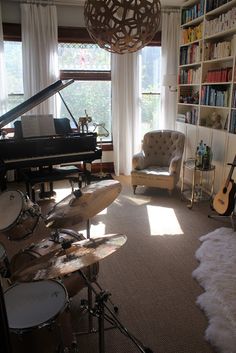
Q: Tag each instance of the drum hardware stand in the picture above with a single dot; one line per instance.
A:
(99, 311)
(4, 328)
(89, 302)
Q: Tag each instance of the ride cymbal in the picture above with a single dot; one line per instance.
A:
(70, 257)
(83, 204)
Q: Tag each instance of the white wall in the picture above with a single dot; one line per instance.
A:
(72, 16)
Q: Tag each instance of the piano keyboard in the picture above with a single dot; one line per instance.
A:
(49, 157)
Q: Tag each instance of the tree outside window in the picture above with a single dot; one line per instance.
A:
(150, 83)
(90, 67)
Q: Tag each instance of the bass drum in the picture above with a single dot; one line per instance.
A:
(38, 317)
(73, 282)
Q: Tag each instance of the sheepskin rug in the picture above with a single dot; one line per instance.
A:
(216, 273)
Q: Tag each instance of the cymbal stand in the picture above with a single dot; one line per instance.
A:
(100, 312)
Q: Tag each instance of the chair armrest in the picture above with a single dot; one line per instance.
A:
(138, 161)
(175, 164)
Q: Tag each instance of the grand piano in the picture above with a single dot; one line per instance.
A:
(65, 147)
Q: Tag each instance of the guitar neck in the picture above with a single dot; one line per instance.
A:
(230, 172)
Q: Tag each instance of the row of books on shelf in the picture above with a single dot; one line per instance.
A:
(214, 96)
(190, 76)
(217, 50)
(213, 4)
(191, 34)
(190, 54)
(193, 12)
(232, 126)
(219, 75)
(189, 117)
(221, 23)
(234, 99)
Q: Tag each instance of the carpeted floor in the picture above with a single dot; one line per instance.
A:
(150, 277)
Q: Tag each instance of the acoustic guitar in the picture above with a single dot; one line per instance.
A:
(224, 201)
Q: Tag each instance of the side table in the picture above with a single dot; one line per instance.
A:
(202, 184)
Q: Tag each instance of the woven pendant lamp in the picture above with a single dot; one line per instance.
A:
(122, 26)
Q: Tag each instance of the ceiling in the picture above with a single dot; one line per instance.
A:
(164, 3)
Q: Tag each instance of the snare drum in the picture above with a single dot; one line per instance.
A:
(19, 215)
(35, 316)
(73, 282)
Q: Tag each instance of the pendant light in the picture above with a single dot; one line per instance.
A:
(122, 26)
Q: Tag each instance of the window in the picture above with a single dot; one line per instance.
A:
(14, 75)
(90, 67)
(150, 86)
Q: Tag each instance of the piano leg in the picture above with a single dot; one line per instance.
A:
(3, 176)
(46, 194)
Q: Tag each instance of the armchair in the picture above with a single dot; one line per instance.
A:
(158, 164)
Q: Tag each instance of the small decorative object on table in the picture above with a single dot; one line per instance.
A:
(203, 156)
(83, 123)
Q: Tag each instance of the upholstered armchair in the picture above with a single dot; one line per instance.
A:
(159, 162)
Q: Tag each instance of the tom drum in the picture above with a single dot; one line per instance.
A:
(19, 215)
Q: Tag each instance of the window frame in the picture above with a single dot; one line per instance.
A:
(12, 32)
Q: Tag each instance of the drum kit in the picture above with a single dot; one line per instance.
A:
(34, 308)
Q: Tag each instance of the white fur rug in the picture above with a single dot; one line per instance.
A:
(217, 275)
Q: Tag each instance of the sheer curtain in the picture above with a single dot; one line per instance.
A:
(39, 50)
(169, 47)
(3, 94)
(125, 110)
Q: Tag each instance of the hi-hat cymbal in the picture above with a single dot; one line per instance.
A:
(78, 255)
(83, 204)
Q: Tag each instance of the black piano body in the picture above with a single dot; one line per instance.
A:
(63, 148)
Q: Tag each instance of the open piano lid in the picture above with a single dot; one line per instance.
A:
(32, 102)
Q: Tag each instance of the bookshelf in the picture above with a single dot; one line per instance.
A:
(206, 71)
(206, 89)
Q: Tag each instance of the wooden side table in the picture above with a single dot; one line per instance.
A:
(202, 184)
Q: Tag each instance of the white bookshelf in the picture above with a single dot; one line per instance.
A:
(206, 89)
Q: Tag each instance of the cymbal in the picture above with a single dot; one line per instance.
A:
(83, 204)
(78, 255)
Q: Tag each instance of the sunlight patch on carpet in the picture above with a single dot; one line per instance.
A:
(96, 230)
(217, 275)
(163, 221)
(140, 201)
(61, 193)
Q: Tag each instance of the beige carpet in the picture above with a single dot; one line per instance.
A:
(150, 277)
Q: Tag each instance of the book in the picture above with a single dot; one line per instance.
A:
(37, 125)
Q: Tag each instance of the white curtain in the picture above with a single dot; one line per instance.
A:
(39, 50)
(3, 94)
(169, 47)
(125, 110)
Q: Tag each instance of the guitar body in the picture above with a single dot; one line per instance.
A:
(224, 201)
